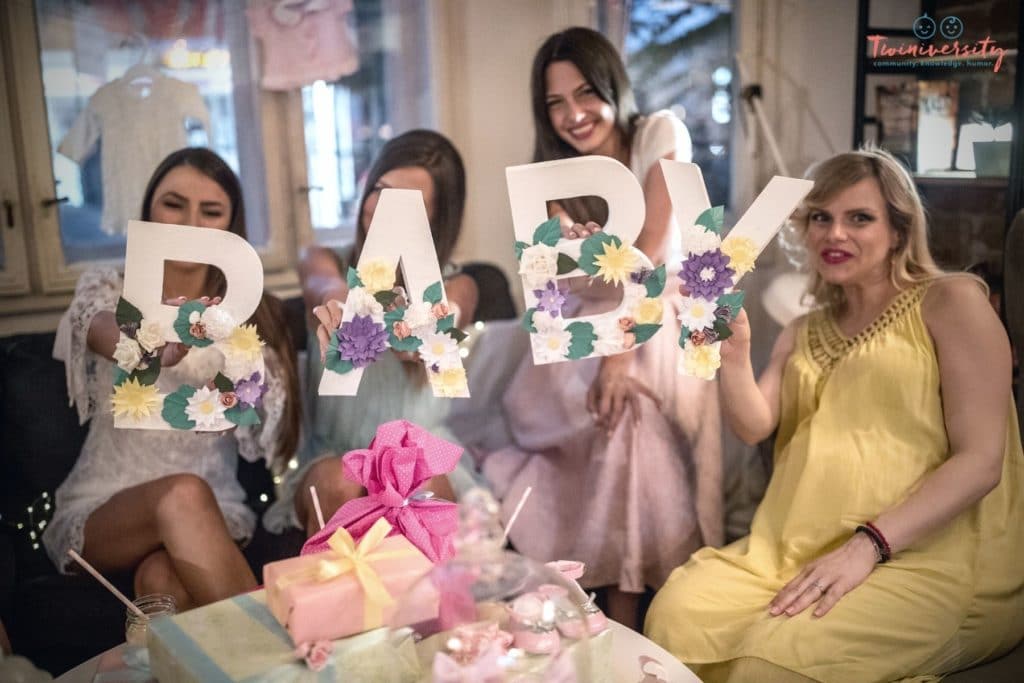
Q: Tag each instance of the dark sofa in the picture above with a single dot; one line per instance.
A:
(59, 621)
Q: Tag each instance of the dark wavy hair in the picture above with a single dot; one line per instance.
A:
(601, 66)
(269, 316)
(435, 154)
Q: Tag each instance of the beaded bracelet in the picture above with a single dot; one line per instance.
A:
(881, 545)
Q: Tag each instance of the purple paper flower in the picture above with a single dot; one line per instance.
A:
(707, 275)
(249, 392)
(641, 276)
(550, 299)
(361, 340)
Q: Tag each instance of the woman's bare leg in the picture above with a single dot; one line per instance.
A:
(333, 491)
(179, 514)
(624, 607)
(156, 574)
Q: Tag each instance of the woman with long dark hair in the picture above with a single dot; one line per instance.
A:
(166, 505)
(623, 454)
(395, 386)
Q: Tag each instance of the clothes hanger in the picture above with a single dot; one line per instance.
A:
(141, 74)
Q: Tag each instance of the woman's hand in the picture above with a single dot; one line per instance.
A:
(827, 579)
(738, 345)
(328, 316)
(580, 230)
(613, 390)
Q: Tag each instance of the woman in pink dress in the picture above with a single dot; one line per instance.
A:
(622, 452)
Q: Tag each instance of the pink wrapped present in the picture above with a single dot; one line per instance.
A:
(350, 588)
(401, 458)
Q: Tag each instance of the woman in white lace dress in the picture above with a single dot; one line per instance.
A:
(166, 505)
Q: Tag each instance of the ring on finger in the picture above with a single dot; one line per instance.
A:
(817, 584)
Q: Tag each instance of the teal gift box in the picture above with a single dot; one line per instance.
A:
(238, 639)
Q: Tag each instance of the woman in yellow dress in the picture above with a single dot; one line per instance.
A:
(890, 542)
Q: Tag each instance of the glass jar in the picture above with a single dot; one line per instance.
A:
(153, 606)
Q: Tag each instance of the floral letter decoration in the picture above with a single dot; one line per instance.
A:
(379, 316)
(712, 266)
(229, 398)
(607, 256)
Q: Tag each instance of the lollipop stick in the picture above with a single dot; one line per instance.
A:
(106, 584)
(316, 506)
(515, 513)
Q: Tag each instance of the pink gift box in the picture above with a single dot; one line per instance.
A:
(313, 610)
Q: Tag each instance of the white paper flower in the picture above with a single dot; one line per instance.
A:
(127, 353)
(632, 293)
(419, 319)
(204, 407)
(236, 367)
(439, 349)
(150, 335)
(361, 302)
(696, 314)
(697, 240)
(538, 264)
(219, 323)
(551, 342)
(609, 337)
(701, 361)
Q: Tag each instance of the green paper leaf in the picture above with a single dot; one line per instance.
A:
(223, 384)
(528, 321)
(392, 317)
(520, 247)
(711, 219)
(644, 332)
(352, 278)
(722, 330)
(446, 323)
(126, 312)
(593, 247)
(432, 294)
(149, 375)
(120, 376)
(407, 344)
(458, 335)
(566, 264)
(548, 232)
(240, 417)
(333, 360)
(386, 297)
(182, 325)
(583, 337)
(174, 408)
(655, 284)
(733, 301)
(684, 336)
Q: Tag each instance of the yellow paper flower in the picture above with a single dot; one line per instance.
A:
(450, 383)
(135, 400)
(245, 343)
(376, 276)
(616, 263)
(648, 311)
(701, 361)
(741, 252)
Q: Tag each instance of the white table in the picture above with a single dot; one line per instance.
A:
(635, 659)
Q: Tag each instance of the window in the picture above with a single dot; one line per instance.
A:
(114, 87)
(346, 122)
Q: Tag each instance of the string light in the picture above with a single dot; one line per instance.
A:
(37, 516)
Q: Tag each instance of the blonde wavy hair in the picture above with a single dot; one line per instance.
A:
(911, 260)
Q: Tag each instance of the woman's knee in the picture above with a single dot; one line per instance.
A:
(185, 494)
(328, 477)
(155, 574)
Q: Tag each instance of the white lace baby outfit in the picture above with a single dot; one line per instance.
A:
(115, 459)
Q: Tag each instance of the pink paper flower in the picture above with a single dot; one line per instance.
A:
(197, 330)
(400, 329)
(316, 654)
(440, 310)
(228, 399)
(626, 323)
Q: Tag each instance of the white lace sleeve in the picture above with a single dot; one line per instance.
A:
(97, 290)
(256, 442)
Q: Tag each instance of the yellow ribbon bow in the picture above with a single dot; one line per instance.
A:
(351, 557)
